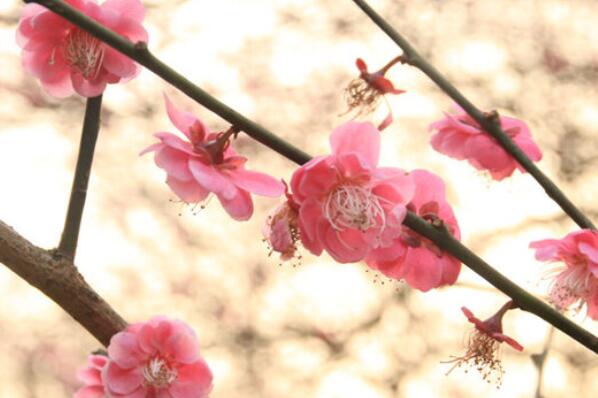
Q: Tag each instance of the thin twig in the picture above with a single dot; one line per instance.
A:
(89, 136)
(439, 236)
(488, 120)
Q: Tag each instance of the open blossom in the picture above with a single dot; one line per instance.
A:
(484, 343)
(364, 93)
(575, 278)
(460, 137)
(91, 376)
(413, 257)
(347, 204)
(67, 59)
(206, 163)
(156, 359)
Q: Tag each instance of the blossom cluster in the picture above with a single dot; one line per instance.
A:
(343, 203)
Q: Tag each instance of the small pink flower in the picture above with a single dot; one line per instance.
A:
(156, 359)
(281, 229)
(364, 93)
(347, 204)
(412, 257)
(205, 163)
(91, 376)
(576, 280)
(460, 137)
(67, 59)
(484, 343)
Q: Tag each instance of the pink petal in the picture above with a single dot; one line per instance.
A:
(187, 191)
(310, 213)
(182, 120)
(345, 246)
(239, 207)
(175, 142)
(151, 148)
(183, 346)
(130, 8)
(545, 249)
(425, 272)
(257, 183)
(213, 180)
(174, 162)
(87, 88)
(355, 137)
(123, 349)
(119, 64)
(193, 381)
(122, 381)
(429, 188)
(315, 178)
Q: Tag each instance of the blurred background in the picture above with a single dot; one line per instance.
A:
(319, 329)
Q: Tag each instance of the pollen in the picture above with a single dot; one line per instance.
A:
(158, 374)
(83, 52)
(481, 355)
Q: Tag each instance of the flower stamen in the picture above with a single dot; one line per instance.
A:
(158, 374)
(353, 206)
(83, 52)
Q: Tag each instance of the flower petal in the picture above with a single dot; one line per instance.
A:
(257, 183)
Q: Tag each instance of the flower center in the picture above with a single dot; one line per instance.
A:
(157, 374)
(353, 206)
(83, 52)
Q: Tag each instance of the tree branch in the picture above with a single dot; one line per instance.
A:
(58, 278)
(439, 236)
(488, 121)
(89, 135)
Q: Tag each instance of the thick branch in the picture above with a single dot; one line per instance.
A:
(89, 136)
(488, 121)
(59, 279)
(140, 53)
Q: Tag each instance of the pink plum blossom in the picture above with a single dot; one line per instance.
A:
(205, 163)
(575, 278)
(364, 92)
(91, 376)
(67, 59)
(412, 257)
(281, 229)
(347, 204)
(156, 359)
(460, 137)
(484, 343)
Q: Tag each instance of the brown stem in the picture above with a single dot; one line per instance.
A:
(58, 278)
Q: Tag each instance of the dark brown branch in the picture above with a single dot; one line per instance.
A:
(89, 136)
(140, 53)
(487, 120)
(58, 278)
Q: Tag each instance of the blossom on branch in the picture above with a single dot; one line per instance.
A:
(575, 278)
(206, 163)
(159, 358)
(91, 376)
(281, 229)
(67, 59)
(461, 137)
(412, 257)
(364, 93)
(347, 204)
(484, 343)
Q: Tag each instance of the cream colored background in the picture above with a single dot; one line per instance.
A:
(322, 329)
